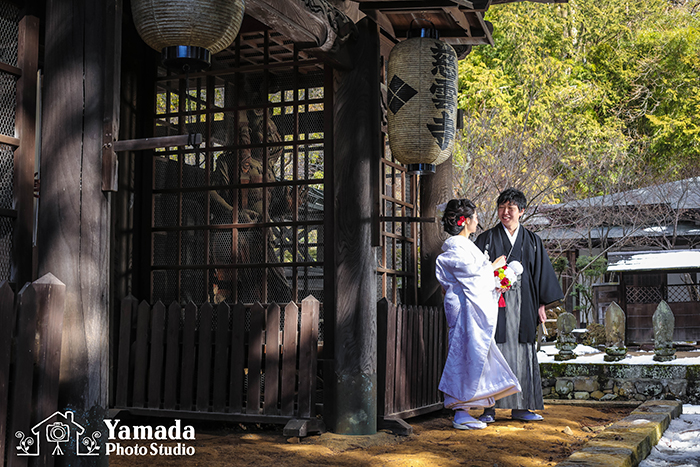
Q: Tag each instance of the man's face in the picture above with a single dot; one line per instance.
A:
(510, 214)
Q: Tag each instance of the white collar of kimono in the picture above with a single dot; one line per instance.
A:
(513, 237)
(455, 241)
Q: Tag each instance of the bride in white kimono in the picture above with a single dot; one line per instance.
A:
(475, 373)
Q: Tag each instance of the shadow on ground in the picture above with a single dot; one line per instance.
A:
(505, 443)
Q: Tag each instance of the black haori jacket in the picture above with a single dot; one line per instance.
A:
(539, 284)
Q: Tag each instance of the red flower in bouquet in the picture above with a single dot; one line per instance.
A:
(504, 278)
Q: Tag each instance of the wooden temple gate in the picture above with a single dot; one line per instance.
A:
(274, 205)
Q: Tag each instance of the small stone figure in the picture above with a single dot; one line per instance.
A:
(614, 333)
(566, 340)
(664, 322)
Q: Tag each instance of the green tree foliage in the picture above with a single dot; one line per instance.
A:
(592, 270)
(583, 94)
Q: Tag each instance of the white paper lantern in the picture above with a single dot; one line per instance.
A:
(188, 32)
(422, 101)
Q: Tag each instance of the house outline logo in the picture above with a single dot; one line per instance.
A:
(58, 434)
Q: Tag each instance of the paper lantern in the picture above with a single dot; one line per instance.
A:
(422, 101)
(188, 32)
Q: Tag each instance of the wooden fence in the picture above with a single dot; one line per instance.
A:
(411, 355)
(248, 364)
(31, 326)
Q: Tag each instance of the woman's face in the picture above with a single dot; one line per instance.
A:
(471, 224)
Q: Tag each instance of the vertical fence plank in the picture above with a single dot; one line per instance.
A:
(155, 370)
(415, 359)
(308, 344)
(391, 359)
(237, 376)
(128, 308)
(255, 341)
(50, 296)
(382, 352)
(7, 322)
(204, 358)
(272, 359)
(220, 358)
(187, 379)
(142, 320)
(408, 355)
(172, 356)
(400, 378)
(289, 359)
(304, 368)
(422, 382)
(23, 372)
(441, 344)
(432, 382)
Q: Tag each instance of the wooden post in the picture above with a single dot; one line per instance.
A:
(7, 324)
(28, 62)
(434, 189)
(81, 52)
(356, 147)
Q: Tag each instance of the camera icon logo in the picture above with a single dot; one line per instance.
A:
(59, 428)
(57, 433)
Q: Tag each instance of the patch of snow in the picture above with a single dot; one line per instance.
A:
(680, 444)
(586, 354)
(653, 260)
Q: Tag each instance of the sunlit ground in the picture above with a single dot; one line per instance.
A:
(505, 443)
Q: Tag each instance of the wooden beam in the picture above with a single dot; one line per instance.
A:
(9, 140)
(405, 219)
(25, 154)
(4, 212)
(194, 139)
(382, 20)
(13, 70)
(485, 27)
(408, 5)
(458, 16)
(479, 40)
(309, 29)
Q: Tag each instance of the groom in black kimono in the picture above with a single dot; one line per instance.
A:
(522, 307)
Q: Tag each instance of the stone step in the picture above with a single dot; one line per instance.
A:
(627, 442)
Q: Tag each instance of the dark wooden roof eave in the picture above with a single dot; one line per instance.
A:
(459, 22)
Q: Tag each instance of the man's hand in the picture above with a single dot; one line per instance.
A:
(499, 262)
(542, 313)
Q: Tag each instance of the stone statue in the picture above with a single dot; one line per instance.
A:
(566, 340)
(664, 322)
(614, 333)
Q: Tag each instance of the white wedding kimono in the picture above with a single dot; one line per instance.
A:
(475, 373)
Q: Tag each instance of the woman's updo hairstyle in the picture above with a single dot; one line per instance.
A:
(455, 209)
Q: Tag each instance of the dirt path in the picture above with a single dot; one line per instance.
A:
(505, 443)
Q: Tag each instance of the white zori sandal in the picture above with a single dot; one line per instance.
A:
(464, 421)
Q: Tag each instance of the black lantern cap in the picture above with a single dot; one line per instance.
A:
(420, 169)
(186, 58)
(422, 31)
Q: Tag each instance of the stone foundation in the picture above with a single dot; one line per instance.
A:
(607, 382)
